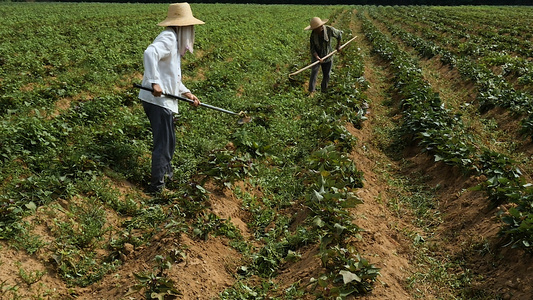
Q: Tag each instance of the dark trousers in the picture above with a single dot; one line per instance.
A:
(164, 138)
(326, 70)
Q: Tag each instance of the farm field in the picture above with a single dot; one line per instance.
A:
(409, 179)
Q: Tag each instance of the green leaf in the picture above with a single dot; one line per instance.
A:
(348, 277)
(339, 228)
(159, 296)
(141, 277)
(316, 196)
(31, 206)
(323, 281)
(318, 222)
(346, 292)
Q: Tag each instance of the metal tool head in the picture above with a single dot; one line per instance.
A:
(244, 118)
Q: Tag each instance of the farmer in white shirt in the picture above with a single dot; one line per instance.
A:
(162, 72)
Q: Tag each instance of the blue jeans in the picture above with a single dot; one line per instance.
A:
(164, 139)
(326, 70)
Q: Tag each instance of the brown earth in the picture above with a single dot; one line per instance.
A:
(464, 242)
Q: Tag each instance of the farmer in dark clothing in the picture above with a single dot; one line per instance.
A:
(320, 46)
(162, 73)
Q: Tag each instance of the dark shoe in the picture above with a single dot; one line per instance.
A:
(155, 190)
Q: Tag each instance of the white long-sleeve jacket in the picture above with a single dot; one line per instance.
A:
(162, 65)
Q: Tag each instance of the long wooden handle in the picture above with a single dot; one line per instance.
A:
(318, 61)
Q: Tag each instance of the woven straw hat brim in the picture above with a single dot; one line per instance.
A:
(315, 26)
(180, 22)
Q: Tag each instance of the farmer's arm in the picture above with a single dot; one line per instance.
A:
(185, 92)
(313, 49)
(158, 50)
(317, 57)
(338, 35)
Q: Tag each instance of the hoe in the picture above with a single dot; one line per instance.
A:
(317, 62)
(244, 118)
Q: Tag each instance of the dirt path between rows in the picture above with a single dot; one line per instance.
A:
(383, 243)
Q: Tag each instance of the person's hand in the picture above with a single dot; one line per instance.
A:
(318, 58)
(157, 91)
(195, 100)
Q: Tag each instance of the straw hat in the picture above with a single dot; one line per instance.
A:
(180, 14)
(315, 23)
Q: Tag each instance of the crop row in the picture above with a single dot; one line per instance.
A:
(441, 133)
(329, 178)
(510, 55)
(508, 27)
(493, 90)
(500, 51)
(490, 47)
